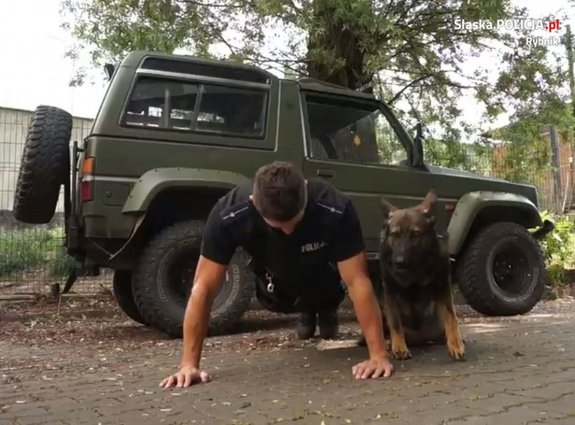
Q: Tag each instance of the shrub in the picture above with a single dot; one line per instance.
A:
(559, 250)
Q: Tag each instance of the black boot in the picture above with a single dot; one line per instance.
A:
(328, 324)
(306, 327)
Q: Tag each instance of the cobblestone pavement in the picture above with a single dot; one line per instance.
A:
(519, 370)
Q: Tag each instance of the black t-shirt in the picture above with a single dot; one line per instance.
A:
(329, 232)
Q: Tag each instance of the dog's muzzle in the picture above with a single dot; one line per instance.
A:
(400, 263)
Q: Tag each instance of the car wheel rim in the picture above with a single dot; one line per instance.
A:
(509, 268)
(180, 278)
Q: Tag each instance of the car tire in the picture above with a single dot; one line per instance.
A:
(122, 289)
(502, 271)
(164, 276)
(45, 165)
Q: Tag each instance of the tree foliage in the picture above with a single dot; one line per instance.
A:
(414, 43)
(532, 88)
(410, 51)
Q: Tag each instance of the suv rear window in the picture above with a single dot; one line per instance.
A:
(183, 106)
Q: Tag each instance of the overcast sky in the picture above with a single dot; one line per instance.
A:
(33, 69)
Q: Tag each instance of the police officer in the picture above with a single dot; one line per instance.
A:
(304, 238)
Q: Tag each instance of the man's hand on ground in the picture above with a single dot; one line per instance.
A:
(373, 368)
(185, 377)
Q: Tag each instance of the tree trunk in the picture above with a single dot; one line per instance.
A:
(570, 61)
(334, 42)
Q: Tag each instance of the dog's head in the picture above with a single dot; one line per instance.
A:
(408, 236)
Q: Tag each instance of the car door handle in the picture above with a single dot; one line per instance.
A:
(325, 173)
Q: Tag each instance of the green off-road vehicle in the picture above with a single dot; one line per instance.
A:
(175, 133)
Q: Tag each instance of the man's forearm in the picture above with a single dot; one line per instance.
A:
(369, 316)
(196, 322)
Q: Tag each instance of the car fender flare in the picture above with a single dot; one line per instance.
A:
(472, 203)
(154, 181)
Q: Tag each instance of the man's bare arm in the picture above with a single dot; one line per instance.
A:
(353, 272)
(207, 283)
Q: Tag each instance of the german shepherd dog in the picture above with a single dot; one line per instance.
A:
(417, 298)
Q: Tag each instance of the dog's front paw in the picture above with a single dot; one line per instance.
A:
(401, 354)
(399, 349)
(456, 350)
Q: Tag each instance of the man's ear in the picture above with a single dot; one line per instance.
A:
(253, 201)
(386, 208)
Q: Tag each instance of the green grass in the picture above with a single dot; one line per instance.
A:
(21, 250)
(25, 249)
(61, 265)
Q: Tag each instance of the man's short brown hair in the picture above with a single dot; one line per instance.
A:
(280, 191)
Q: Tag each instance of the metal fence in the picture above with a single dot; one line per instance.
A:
(547, 164)
(32, 258)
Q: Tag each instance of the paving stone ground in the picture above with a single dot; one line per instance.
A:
(519, 370)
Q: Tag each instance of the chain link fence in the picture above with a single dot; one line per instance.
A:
(32, 258)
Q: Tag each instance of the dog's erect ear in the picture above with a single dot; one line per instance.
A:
(386, 208)
(427, 206)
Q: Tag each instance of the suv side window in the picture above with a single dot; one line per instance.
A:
(352, 132)
(164, 104)
(179, 105)
(234, 111)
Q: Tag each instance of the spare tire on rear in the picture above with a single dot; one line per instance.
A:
(45, 165)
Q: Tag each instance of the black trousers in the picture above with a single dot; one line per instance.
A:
(314, 291)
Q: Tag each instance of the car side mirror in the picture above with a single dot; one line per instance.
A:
(418, 146)
(109, 68)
